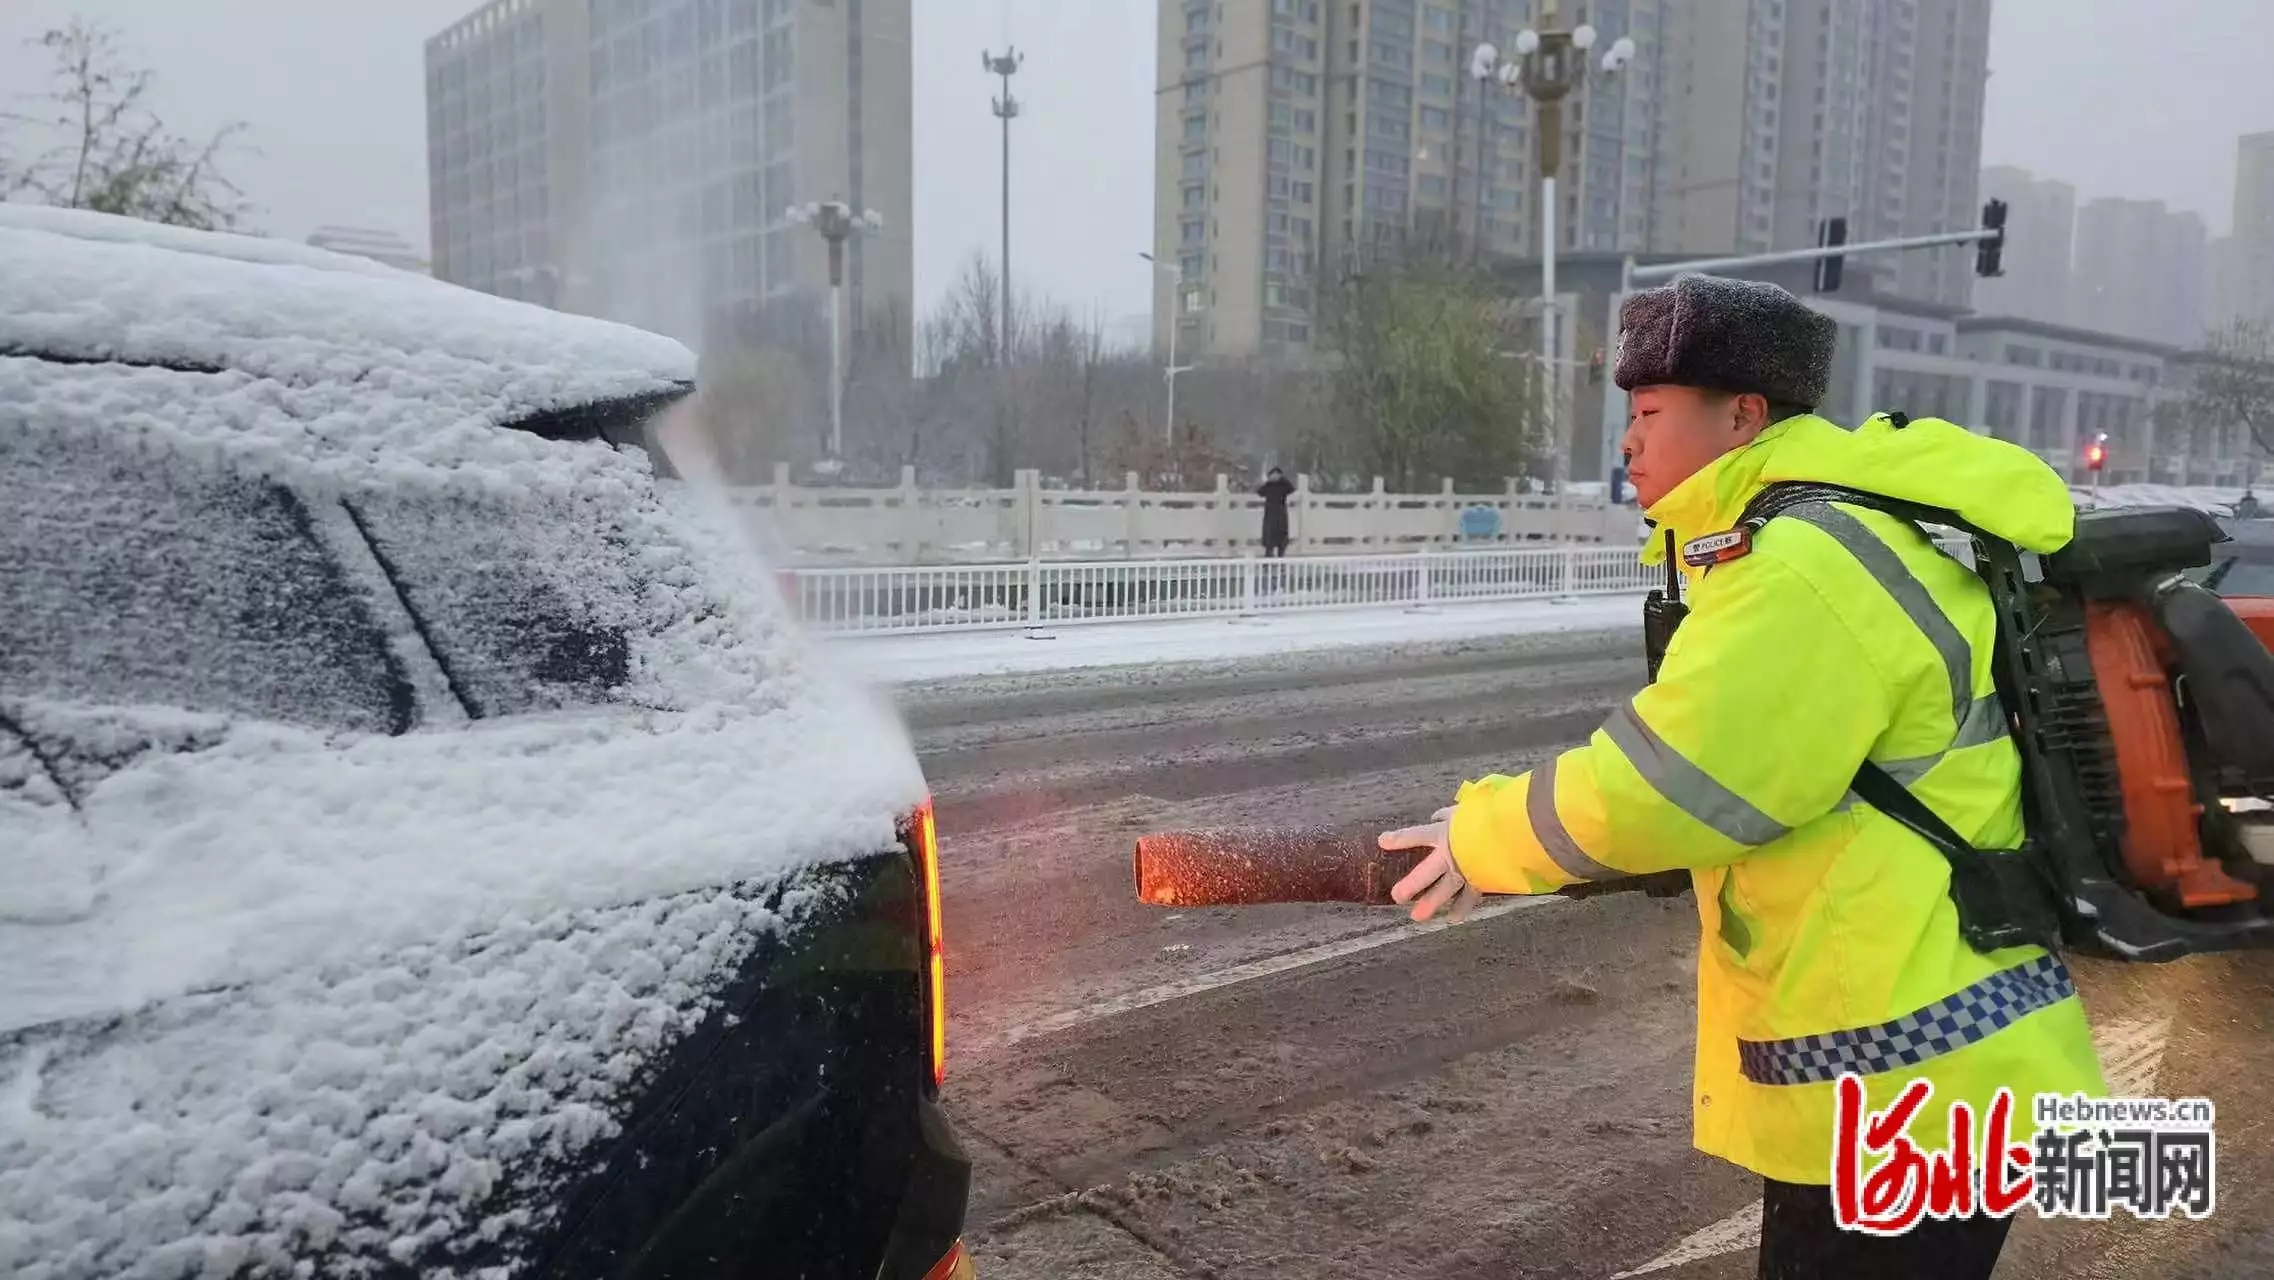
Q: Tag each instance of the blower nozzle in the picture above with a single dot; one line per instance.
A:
(1252, 866)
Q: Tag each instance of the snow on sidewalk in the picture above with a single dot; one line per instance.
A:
(908, 659)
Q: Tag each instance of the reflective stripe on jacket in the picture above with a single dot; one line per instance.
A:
(1829, 939)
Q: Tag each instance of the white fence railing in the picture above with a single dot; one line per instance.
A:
(1036, 593)
(900, 599)
(910, 525)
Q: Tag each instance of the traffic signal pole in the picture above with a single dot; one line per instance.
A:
(1631, 275)
(1990, 237)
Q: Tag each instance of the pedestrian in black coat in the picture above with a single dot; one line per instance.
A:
(1274, 491)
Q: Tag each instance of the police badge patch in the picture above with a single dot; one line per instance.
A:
(1718, 548)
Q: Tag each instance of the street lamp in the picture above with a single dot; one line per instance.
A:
(1484, 68)
(1169, 371)
(837, 223)
(1548, 66)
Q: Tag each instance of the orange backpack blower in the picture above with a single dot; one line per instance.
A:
(2143, 706)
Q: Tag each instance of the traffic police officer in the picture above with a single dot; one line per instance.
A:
(1841, 634)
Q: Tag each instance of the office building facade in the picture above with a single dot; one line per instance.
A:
(634, 158)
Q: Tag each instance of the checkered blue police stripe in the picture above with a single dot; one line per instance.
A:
(1948, 1024)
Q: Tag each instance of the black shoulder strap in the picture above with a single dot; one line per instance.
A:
(1777, 499)
(1879, 789)
(2001, 897)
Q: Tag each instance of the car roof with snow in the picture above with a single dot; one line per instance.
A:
(321, 940)
(85, 286)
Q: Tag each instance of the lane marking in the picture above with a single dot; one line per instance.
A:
(2131, 1055)
(1146, 997)
(1740, 1230)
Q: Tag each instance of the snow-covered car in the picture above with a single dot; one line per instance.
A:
(2244, 564)
(427, 847)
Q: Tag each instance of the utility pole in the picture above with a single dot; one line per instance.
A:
(1006, 110)
(1175, 273)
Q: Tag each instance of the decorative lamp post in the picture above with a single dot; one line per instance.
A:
(1548, 66)
(837, 223)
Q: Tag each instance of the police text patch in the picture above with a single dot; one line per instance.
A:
(1717, 548)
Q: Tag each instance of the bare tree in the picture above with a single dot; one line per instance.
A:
(1093, 355)
(961, 334)
(888, 416)
(1189, 462)
(105, 150)
(2231, 384)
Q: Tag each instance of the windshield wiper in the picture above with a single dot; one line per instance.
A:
(2218, 573)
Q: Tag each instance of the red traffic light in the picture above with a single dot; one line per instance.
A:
(2095, 454)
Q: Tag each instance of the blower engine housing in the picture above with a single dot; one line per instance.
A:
(2144, 706)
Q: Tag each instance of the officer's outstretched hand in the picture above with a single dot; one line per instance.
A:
(1435, 881)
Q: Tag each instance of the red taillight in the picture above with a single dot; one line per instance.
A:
(955, 1266)
(935, 938)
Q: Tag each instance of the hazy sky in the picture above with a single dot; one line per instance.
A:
(2139, 98)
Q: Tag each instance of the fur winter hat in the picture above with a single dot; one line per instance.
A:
(1745, 336)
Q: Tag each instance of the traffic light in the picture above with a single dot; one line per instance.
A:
(2096, 453)
(1595, 368)
(1830, 234)
(1987, 253)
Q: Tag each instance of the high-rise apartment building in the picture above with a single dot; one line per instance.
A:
(1931, 91)
(1779, 114)
(2225, 297)
(2252, 293)
(1292, 133)
(2184, 301)
(634, 158)
(1296, 135)
(2041, 228)
(2141, 271)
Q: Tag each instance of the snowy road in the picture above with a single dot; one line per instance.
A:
(1313, 1092)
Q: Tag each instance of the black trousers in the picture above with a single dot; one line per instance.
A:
(1800, 1240)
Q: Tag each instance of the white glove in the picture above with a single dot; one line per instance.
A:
(1435, 881)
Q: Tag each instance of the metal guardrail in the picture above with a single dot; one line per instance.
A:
(903, 598)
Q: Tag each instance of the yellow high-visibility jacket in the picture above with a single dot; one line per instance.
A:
(1829, 940)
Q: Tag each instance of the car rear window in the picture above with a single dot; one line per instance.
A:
(529, 603)
(135, 576)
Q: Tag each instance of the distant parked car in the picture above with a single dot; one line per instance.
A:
(426, 846)
(2244, 565)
